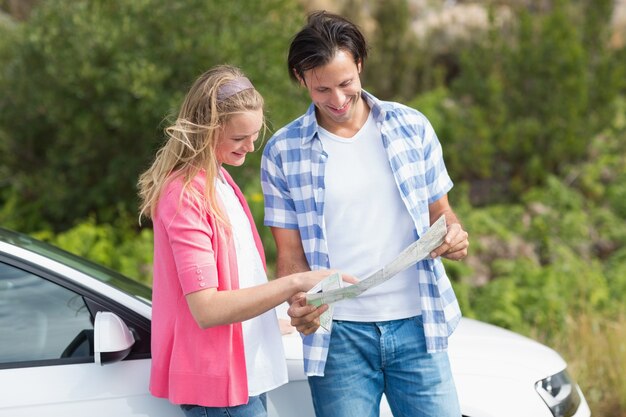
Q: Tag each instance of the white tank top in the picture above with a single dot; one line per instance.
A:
(367, 224)
(265, 358)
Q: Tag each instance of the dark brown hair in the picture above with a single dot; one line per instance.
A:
(319, 40)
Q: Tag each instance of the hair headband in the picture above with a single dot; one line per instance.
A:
(233, 87)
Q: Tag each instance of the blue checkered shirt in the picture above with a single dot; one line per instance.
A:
(292, 176)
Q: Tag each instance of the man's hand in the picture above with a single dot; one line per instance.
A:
(455, 244)
(305, 317)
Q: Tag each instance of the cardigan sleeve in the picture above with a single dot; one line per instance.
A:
(190, 236)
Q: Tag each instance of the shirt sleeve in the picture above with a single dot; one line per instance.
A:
(279, 206)
(189, 235)
(437, 179)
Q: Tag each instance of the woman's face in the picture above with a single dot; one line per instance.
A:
(237, 137)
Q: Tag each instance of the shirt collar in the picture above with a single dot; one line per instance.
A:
(310, 128)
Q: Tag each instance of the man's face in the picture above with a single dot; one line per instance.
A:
(335, 89)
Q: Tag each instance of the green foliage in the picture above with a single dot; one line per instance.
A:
(498, 303)
(528, 97)
(116, 246)
(533, 130)
(120, 247)
(460, 273)
(558, 254)
(393, 60)
(615, 268)
(558, 217)
(86, 85)
(602, 177)
(525, 295)
(555, 256)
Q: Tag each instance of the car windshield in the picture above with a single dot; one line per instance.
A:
(92, 269)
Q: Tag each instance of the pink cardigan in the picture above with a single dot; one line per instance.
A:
(193, 252)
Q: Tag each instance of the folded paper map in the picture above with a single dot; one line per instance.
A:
(332, 289)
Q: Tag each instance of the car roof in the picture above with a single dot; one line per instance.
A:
(35, 252)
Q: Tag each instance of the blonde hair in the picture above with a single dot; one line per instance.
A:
(192, 139)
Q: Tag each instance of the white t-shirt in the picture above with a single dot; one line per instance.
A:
(265, 358)
(367, 224)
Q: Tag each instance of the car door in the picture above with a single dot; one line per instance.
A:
(46, 351)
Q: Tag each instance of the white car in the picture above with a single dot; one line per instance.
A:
(75, 342)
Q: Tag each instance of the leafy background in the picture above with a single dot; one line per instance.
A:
(527, 97)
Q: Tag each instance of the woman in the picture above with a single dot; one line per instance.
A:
(209, 265)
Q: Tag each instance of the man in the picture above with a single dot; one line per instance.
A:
(348, 185)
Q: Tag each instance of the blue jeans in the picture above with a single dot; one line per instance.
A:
(256, 407)
(368, 359)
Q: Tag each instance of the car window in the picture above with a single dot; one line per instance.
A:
(106, 275)
(40, 320)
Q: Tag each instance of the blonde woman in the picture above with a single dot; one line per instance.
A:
(212, 315)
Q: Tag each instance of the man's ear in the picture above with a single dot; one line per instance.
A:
(299, 78)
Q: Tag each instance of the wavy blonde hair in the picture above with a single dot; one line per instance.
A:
(192, 139)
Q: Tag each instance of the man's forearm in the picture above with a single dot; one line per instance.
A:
(451, 217)
(287, 266)
(442, 206)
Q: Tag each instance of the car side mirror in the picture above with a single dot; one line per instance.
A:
(112, 338)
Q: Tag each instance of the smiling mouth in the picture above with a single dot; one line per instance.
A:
(340, 109)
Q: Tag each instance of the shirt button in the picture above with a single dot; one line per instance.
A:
(202, 284)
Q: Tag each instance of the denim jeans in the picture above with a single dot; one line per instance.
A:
(256, 407)
(368, 359)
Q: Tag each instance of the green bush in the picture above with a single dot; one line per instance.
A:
(528, 98)
(121, 247)
(117, 246)
(557, 254)
(86, 85)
